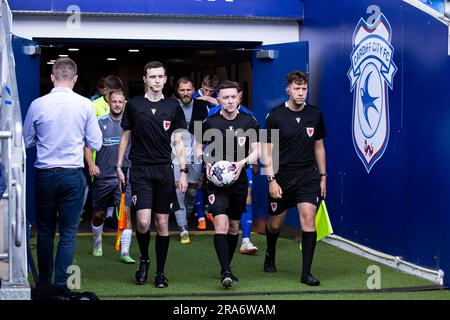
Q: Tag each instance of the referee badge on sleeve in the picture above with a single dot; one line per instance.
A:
(166, 125)
(274, 206)
(310, 132)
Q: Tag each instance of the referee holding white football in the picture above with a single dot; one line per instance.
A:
(232, 141)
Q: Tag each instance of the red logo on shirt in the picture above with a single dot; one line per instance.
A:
(211, 198)
(166, 125)
(310, 131)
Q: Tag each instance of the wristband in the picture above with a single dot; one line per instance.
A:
(185, 170)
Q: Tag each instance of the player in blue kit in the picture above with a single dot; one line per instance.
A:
(207, 91)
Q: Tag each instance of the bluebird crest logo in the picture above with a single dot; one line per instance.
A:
(372, 71)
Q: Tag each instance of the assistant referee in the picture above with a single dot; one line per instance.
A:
(301, 178)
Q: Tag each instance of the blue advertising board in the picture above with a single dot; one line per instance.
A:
(291, 9)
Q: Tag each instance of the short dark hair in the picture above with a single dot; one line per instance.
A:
(116, 91)
(211, 80)
(153, 65)
(297, 77)
(185, 79)
(228, 84)
(113, 82)
(101, 83)
(64, 69)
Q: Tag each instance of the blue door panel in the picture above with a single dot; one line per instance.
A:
(28, 79)
(269, 83)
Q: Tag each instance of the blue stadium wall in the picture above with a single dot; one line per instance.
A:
(402, 207)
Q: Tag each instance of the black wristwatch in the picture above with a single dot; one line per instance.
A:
(270, 178)
(118, 166)
(185, 170)
(324, 174)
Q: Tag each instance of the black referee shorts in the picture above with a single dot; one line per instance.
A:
(298, 186)
(153, 187)
(231, 200)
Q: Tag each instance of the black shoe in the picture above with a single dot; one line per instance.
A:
(142, 271)
(233, 277)
(269, 264)
(161, 281)
(226, 279)
(309, 280)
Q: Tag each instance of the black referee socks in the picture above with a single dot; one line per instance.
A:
(161, 249)
(271, 239)
(143, 240)
(222, 250)
(232, 244)
(308, 247)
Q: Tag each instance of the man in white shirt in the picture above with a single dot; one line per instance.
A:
(60, 124)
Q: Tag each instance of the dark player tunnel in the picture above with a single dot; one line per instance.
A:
(125, 58)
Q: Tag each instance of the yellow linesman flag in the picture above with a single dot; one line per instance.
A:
(323, 224)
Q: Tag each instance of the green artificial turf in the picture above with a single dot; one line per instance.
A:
(193, 273)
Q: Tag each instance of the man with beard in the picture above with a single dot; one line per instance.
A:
(194, 110)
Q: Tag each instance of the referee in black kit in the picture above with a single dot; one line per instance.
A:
(152, 119)
(238, 133)
(301, 179)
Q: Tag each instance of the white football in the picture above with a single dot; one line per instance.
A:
(222, 173)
